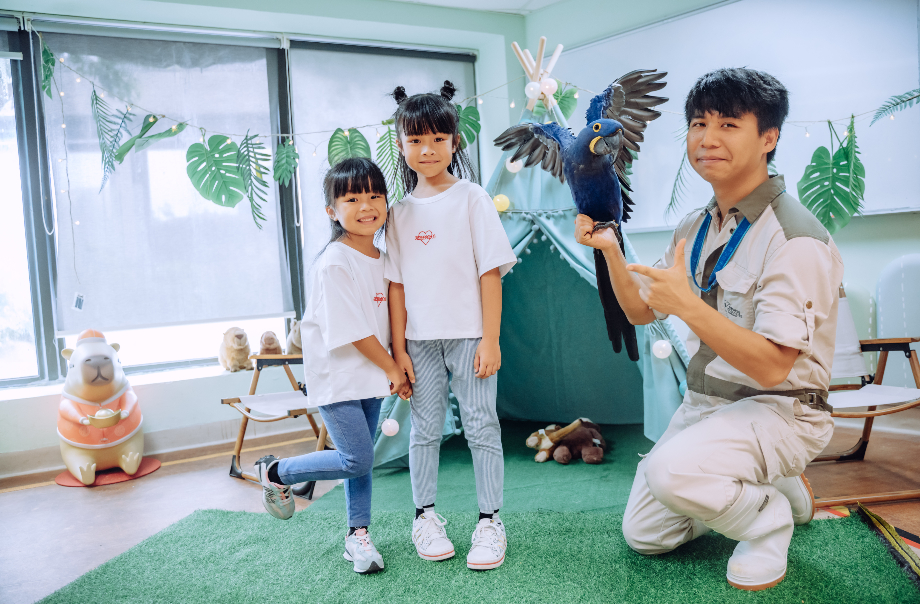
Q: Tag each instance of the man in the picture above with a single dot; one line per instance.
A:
(756, 277)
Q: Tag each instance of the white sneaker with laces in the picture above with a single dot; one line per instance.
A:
(430, 538)
(278, 499)
(360, 549)
(489, 544)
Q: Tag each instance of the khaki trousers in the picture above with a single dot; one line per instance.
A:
(693, 473)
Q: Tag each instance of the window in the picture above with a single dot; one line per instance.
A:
(147, 252)
(17, 335)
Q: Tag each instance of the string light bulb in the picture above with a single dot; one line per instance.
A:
(102, 95)
(806, 133)
(576, 94)
(174, 128)
(891, 117)
(78, 80)
(314, 152)
(62, 93)
(229, 140)
(480, 101)
(347, 131)
(151, 120)
(62, 59)
(512, 104)
(63, 125)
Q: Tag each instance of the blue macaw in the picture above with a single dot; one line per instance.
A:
(594, 163)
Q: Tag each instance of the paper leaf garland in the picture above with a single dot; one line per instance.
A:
(139, 142)
(469, 125)
(213, 171)
(388, 160)
(47, 69)
(833, 188)
(250, 164)
(345, 144)
(285, 162)
(109, 127)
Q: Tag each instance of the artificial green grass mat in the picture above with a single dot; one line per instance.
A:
(565, 545)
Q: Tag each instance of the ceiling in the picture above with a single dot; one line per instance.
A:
(518, 7)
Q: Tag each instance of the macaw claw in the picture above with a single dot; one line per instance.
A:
(609, 225)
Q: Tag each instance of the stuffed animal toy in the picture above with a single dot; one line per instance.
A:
(99, 420)
(293, 339)
(234, 350)
(581, 438)
(269, 344)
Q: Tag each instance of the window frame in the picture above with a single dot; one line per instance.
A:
(35, 175)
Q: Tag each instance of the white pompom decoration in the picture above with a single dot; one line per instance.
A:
(548, 86)
(532, 90)
(662, 349)
(514, 166)
(389, 427)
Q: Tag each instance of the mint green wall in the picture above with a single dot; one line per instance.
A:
(577, 22)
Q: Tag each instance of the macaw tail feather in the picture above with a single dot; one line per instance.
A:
(619, 329)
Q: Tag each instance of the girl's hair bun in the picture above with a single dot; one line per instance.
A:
(399, 95)
(448, 90)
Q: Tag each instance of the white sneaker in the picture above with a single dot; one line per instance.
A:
(278, 499)
(489, 544)
(360, 550)
(800, 496)
(430, 538)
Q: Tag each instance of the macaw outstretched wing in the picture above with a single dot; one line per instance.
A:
(543, 143)
(628, 101)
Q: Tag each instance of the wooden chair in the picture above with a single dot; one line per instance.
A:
(871, 394)
(273, 408)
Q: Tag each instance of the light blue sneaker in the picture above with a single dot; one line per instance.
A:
(360, 549)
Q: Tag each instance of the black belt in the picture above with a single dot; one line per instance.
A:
(816, 399)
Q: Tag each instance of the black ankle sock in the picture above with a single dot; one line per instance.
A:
(273, 474)
(486, 515)
(352, 529)
(420, 511)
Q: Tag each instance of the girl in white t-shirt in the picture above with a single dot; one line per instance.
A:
(446, 254)
(345, 333)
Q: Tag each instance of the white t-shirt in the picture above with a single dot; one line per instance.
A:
(438, 248)
(346, 302)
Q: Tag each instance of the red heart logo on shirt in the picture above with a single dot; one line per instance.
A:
(424, 237)
(380, 299)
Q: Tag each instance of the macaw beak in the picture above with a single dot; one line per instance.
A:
(605, 145)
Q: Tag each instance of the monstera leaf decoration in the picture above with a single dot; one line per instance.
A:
(345, 144)
(213, 170)
(469, 125)
(833, 186)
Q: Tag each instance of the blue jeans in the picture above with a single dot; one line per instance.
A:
(351, 426)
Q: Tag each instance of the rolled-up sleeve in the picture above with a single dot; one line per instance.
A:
(795, 292)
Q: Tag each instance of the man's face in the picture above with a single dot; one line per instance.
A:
(723, 149)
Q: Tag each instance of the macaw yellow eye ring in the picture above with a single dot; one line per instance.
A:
(597, 127)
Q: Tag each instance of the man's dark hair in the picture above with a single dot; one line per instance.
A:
(733, 91)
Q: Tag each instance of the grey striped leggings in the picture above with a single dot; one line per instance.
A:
(432, 361)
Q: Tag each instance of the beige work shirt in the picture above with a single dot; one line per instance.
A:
(782, 283)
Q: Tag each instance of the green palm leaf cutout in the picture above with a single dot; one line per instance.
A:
(566, 99)
(109, 127)
(679, 188)
(213, 171)
(285, 162)
(139, 142)
(388, 160)
(251, 165)
(896, 103)
(469, 124)
(833, 187)
(345, 144)
(47, 68)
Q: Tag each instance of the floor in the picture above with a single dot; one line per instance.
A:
(66, 532)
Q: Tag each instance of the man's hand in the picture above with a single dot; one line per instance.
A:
(603, 240)
(488, 359)
(666, 290)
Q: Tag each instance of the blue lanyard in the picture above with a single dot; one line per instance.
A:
(727, 252)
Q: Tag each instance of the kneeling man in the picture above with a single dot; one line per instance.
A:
(758, 285)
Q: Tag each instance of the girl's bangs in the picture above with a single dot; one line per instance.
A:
(357, 176)
(428, 114)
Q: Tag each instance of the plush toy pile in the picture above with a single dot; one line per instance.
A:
(580, 439)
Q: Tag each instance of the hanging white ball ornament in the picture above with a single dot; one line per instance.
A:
(548, 86)
(532, 90)
(389, 427)
(514, 166)
(662, 349)
(501, 202)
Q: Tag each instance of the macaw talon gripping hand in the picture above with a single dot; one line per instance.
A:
(600, 226)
